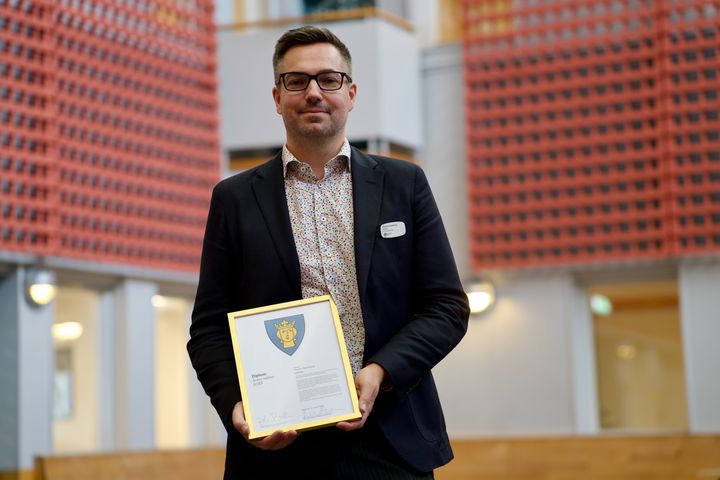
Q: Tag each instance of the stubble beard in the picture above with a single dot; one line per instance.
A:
(314, 130)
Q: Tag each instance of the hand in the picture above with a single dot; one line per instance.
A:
(274, 441)
(367, 382)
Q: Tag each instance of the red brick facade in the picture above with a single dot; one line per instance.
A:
(592, 130)
(109, 129)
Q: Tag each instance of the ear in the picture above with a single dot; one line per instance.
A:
(276, 98)
(352, 91)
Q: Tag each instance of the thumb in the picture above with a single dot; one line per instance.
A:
(238, 420)
(366, 398)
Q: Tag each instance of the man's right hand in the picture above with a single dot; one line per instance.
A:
(275, 441)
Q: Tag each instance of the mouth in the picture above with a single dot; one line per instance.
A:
(313, 111)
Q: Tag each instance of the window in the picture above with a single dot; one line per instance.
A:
(639, 357)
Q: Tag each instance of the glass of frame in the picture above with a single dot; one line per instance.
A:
(293, 366)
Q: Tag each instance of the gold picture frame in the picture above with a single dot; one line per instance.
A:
(293, 366)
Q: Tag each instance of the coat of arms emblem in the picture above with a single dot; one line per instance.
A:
(286, 333)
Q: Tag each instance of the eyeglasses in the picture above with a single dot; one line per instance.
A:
(299, 81)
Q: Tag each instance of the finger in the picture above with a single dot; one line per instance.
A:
(354, 424)
(349, 426)
(366, 407)
(238, 420)
(276, 441)
(282, 440)
(271, 442)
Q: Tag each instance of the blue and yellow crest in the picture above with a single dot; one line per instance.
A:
(286, 333)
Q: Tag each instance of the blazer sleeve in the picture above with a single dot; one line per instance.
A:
(210, 345)
(439, 308)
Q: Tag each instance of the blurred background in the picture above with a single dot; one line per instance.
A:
(572, 146)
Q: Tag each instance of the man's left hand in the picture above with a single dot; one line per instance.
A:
(367, 382)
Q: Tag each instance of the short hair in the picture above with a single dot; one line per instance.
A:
(308, 35)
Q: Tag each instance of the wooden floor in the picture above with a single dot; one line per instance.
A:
(586, 458)
(154, 465)
(566, 458)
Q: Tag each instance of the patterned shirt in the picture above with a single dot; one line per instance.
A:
(321, 214)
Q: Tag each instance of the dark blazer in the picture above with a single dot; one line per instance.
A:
(414, 308)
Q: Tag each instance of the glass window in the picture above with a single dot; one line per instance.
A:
(172, 372)
(76, 399)
(639, 356)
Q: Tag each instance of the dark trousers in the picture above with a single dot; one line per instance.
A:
(327, 453)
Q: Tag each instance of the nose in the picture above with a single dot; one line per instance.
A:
(313, 89)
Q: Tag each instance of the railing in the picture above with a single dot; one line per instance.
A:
(331, 16)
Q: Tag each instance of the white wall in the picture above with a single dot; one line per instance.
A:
(443, 155)
(245, 77)
(699, 310)
(398, 76)
(512, 375)
(385, 68)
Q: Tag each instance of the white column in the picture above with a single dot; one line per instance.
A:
(383, 147)
(135, 365)
(26, 376)
(206, 429)
(699, 307)
(106, 370)
(584, 375)
(373, 146)
(197, 405)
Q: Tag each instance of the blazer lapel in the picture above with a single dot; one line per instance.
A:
(367, 178)
(269, 189)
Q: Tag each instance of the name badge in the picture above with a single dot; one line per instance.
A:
(392, 229)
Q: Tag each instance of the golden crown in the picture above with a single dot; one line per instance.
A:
(285, 324)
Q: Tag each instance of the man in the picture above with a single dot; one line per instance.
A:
(322, 217)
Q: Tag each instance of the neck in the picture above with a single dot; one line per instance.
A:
(316, 152)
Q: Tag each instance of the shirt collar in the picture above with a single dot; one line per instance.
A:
(288, 157)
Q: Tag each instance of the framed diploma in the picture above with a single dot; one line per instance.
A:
(293, 366)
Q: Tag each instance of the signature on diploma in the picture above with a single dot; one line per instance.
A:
(271, 419)
(318, 412)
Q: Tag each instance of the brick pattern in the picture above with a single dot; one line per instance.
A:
(26, 99)
(690, 41)
(572, 129)
(129, 129)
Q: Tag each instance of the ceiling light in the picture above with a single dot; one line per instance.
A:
(40, 286)
(159, 301)
(481, 296)
(67, 331)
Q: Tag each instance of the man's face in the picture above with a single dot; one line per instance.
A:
(286, 334)
(314, 113)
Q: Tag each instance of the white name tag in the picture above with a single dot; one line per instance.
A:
(392, 229)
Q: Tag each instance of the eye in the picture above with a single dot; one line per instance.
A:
(330, 80)
(295, 81)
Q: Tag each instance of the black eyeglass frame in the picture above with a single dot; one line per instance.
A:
(343, 76)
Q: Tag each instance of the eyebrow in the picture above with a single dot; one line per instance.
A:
(326, 70)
